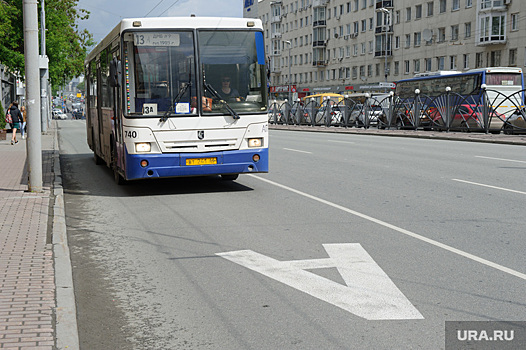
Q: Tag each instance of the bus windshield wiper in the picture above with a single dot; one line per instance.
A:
(176, 99)
(227, 106)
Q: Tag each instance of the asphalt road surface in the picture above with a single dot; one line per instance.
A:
(349, 242)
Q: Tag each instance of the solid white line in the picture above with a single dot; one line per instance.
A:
(399, 229)
(506, 160)
(489, 186)
(350, 142)
(296, 150)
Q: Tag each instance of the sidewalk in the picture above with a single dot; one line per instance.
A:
(28, 307)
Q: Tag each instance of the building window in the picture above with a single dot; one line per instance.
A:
(466, 61)
(441, 35)
(454, 32)
(441, 62)
(514, 21)
(370, 70)
(428, 64)
(430, 7)
(469, 3)
(513, 57)
(456, 5)
(397, 42)
(467, 30)
(396, 68)
(407, 41)
(495, 58)
(478, 60)
(492, 27)
(406, 67)
(443, 6)
(416, 64)
(452, 62)
(408, 14)
(418, 11)
(397, 17)
(377, 69)
(418, 39)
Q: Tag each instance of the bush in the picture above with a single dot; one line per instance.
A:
(2, 117)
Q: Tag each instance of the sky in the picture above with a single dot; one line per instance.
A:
(105, 15)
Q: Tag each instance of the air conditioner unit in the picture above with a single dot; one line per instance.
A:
(336, 35)
(354, 35)
(346, 37)
(507, 2)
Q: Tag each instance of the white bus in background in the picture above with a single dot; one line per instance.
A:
(154, 105)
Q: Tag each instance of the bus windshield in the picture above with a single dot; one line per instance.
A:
(160, 73)
(233, 69)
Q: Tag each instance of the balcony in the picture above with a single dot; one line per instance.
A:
(319, 3)
(383, 29)
(386, 4)
(319, 63)
(320, 23)
(383, 53)
(319, 43)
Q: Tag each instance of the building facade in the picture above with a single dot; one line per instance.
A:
(356, 46)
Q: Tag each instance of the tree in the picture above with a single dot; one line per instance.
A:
(66, 46)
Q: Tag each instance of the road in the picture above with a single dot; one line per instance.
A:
(350, 242)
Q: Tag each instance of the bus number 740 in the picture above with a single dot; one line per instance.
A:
(130, 134)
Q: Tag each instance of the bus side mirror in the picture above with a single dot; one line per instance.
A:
(115, 72)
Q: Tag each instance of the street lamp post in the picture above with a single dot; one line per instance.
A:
(290, 64)
(387, 20)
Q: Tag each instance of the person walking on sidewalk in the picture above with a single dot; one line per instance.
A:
(17, 120)
(23, 127)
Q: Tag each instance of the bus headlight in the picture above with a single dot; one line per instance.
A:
(143, 147)
(255, 142)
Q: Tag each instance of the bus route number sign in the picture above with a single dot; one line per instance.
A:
(156, 39)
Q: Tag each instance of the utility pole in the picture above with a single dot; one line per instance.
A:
(34, 136)
(44, 71)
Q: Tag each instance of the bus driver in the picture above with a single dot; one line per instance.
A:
(226, 92)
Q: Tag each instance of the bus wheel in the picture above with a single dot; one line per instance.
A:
(229, 177)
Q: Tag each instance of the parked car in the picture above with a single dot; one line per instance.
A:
(467, 117)
(61, 116)
(516, 123)
(336, 115)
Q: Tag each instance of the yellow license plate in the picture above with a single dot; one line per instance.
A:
(201, 161)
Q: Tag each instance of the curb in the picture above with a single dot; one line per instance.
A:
(518, 140)
(66, 313)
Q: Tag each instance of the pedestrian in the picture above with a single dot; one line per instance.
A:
(16, 120)
(23, 128)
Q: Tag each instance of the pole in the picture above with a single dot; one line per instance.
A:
(290, 65)
(34, 137)
(44, 71)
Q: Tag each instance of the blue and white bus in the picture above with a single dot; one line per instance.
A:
(156, 104)
(504, 89)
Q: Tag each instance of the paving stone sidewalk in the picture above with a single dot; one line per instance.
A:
(27, 277)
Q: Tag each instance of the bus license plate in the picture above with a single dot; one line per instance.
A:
(201, 161)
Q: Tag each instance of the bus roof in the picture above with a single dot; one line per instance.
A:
(163, 23)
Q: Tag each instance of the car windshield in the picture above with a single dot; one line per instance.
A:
(233, 68)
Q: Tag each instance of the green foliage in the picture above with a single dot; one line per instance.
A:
(2, 117)
(66, 45)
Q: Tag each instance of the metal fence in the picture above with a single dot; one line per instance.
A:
(489, 111)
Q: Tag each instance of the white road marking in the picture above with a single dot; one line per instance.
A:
(503, 159)
(399, 229)
(336, 141)
(296, 150)
(489, 186)
(369, 293)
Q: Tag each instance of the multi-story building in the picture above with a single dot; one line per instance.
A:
(351, 46)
